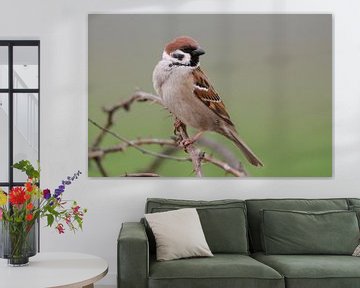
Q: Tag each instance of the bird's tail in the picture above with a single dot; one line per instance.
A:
(249, 154)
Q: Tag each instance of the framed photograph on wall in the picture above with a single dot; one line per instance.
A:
(212, 95)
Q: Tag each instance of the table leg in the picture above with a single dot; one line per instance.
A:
(89, 286)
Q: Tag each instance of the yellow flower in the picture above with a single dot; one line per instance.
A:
(3, 198)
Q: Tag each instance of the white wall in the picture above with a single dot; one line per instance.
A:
(62, 28)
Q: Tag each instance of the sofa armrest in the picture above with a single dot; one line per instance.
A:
(133, 256)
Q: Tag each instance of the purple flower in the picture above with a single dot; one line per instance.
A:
(46, 194)
(58, 192)
(68, 181)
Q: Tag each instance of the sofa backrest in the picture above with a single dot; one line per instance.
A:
(223, 221)
(354, 202)
(256, 205)
(354, 205)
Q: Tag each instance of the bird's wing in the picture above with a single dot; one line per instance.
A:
(204, 91)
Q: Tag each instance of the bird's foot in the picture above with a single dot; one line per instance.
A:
(189, 141)
(186, 142)
(177, 125)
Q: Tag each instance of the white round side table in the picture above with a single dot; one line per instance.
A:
(50, 270)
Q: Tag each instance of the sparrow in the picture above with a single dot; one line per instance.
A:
(187, 93)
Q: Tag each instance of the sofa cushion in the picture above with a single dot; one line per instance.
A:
(313, 271)
(254, 216)
(222, 270)
(223, 221)
(297, 232)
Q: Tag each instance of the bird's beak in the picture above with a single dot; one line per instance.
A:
(198, 52)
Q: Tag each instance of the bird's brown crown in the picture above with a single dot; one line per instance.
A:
(180, 42)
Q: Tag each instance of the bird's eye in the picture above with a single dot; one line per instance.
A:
(178, 56)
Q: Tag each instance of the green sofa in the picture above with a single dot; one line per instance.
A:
(237, 233)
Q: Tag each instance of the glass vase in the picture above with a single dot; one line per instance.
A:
(18, 242)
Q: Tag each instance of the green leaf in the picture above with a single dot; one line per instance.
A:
(53, 211)
(28, 168)
(50, 219)
(79, 221)
(21, 165)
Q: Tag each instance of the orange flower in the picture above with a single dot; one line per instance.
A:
(29, 206)
(29, 186)
(17, 196)
(29, 217)
(27, 196)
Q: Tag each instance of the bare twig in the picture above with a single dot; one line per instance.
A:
(144, 151)
(230, 165)
(141, 175)
(130, 143)
(195, 154)
(156, 163)
(227, 155)
(100, 167)
(139, 96)
(223, 165)
(173, 147)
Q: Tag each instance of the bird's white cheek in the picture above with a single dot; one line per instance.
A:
(167, 57)
(187, 59)
(160, 75)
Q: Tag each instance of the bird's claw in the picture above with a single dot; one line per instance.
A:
(177, 125)
(186, 142)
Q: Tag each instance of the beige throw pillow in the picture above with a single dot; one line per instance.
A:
(357, 251)
(178, 234)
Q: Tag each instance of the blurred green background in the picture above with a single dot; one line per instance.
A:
(273, 72)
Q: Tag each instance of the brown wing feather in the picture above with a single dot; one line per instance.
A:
(207, 94)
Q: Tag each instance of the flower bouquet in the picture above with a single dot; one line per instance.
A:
(21, 208)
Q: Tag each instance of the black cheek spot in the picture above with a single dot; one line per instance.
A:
(178, 56)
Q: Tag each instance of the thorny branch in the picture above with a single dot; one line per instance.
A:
(99, 153)
(133, 144)
(196, 156)
(139, 96)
